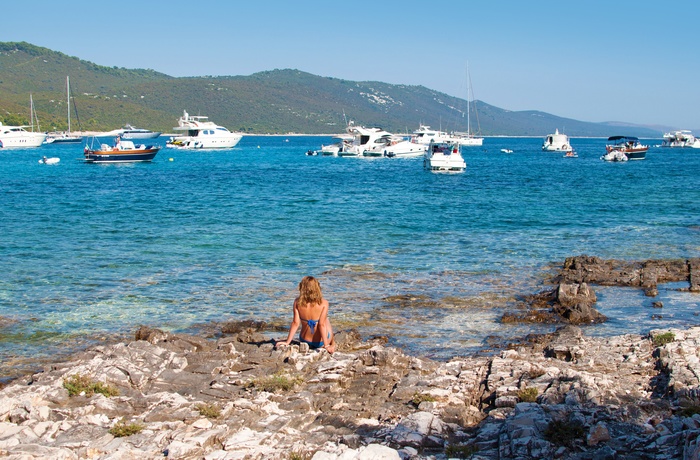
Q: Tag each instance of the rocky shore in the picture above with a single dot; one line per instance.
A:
(555, 396)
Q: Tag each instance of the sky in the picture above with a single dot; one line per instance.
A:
(589, 60)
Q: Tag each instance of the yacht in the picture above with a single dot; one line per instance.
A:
(362, 139)
(557, 143)
(425, 135)
(129, 132)
(444, 157)
(336, 146)
(393, 146)
(202, 134)
(682, 138)
(18, 137)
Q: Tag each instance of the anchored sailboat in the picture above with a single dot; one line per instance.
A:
(65, 137)
(468, 139)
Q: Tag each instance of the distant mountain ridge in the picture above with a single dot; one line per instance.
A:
(276, 101)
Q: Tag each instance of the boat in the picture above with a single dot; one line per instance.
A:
(425, 135)
(468, 139)
(681, 138)
(202, 134)
(336, 146)
(129, 132)
(18, 136)
(362, 139)
(614, 155)
(506, 150)
(393, 146)
(444, 157)
(557, 142)
(49, 161)
(629, 146)
(64, 137)
(122, 151)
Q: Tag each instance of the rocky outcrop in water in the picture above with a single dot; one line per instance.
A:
(643, 274)
(563, 396)
(573, 301)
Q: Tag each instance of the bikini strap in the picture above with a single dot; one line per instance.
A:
(312, 324)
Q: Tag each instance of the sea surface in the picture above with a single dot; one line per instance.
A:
(91, 252)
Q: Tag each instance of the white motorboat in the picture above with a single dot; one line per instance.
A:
(404, 148)
(557, 142)
(392, 146)
(614, 155)
(18, 137)
(682, 138)
(444, 157)
(129, 132)
(362, 139)
(202, 134)
(336, 146)
(425, 135)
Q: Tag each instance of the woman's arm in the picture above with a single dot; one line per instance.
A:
(296, 321)
(323, 323)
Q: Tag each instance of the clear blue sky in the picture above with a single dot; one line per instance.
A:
(591, 60)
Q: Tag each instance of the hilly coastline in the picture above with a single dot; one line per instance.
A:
(276, 101)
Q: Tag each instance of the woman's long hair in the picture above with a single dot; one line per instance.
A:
(309, 291)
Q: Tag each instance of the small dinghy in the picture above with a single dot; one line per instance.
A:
(49, 161)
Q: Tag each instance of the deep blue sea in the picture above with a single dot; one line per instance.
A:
(90, 252)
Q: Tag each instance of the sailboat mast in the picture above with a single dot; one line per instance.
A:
(469, 105)
(32, 114)
(68, 100)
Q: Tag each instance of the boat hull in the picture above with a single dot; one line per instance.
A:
(635, 154)
(471, 142)
(210, 142)
(444, 158)
(630, 153)
(24, 141)
(131, 136)
(64, 140)
(436, 165)
(120, 156)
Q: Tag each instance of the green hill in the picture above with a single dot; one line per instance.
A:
(276, 101)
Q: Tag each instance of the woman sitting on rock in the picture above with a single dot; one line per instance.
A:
(311, 312)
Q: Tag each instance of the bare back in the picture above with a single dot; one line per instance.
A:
(312, 315)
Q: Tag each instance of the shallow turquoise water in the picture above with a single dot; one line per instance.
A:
(95, 250)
